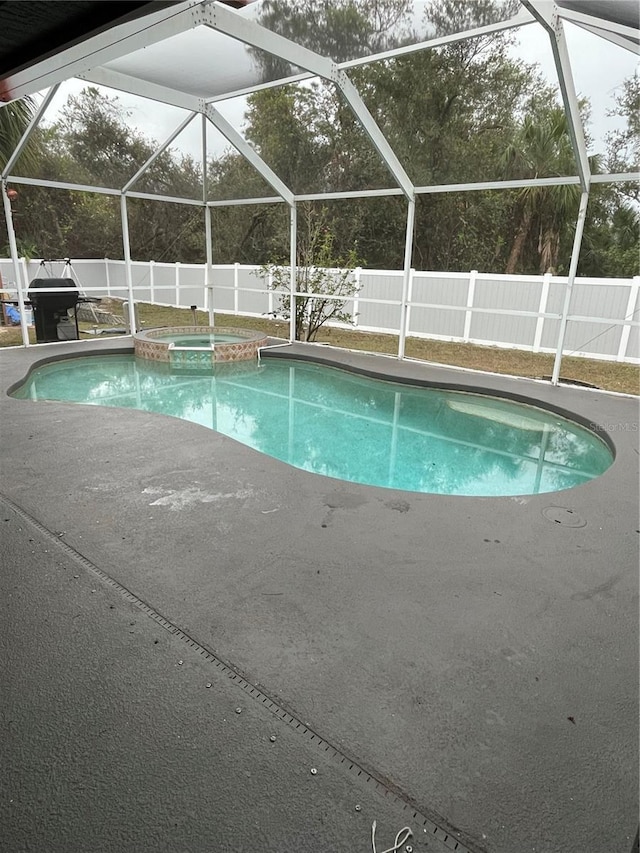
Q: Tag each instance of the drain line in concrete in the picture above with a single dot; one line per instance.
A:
(450, 839)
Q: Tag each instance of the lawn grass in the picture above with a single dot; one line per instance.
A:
(607, 375)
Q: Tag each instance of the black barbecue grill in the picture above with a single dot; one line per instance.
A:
(50, 310)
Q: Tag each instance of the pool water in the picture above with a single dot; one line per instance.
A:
(204, 341)
(339, 424)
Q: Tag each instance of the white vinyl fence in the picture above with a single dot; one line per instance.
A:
(510, 311)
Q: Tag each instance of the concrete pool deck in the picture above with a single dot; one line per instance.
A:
(464, 666)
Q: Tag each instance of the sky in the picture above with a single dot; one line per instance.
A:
(599, 68)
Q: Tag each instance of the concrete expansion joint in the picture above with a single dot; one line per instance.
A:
(448, 839)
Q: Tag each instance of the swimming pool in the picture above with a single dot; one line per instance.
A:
(344, 425)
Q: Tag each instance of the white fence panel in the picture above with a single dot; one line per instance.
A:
(592, 339)
(117, 279)
(223, 289)
(438, 305)
(383, 315)
(191, 286)
(633, 345)
(510, 311)
(592, 298)
(141, 279)
(164, 283)
(500, 299)
(606, 302)
(253, 294)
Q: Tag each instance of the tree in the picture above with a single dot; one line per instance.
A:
(448, 114)
(541, 148)
(610, 242)
(612, 230)
(92, 144)
(457, 16)
(319, 271)
(623, 154)
(15, 118)
(341, 29)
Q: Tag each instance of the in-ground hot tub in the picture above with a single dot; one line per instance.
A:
(201, 346)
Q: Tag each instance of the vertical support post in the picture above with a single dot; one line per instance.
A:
(412, 277)
(575, 254)
(24, 266)
(468, 314)
(16, 263)
(208, 274)
(152, 281)
(357, 273)
(107, 276)
(628, 315)
(209, 267)
(568, 90)
(406, 278)
(127, 262)
(546, 12)
(177, 284)
(269, 294)
(205, 291)
(236, 281)
(293, 229)
(542, 309)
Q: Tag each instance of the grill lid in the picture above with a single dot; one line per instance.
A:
(53, 301)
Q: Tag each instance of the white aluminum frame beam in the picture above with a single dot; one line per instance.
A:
(13, 248)
(546, 12)
(124, 219)
(569, 180)
(616, 178)
(203, 162)
(350, 194)
(141, 88)
(158, 152)
(196, 202)
(208, 241)
(293, 272)
(499, 185)
(376, 136)
(626, 177)
(240, 144)
(61, 185)
(222, 19)
(238, 202)
(406, 276)
(573, 267)
(623, 36)
(620, 41)
(522, 19)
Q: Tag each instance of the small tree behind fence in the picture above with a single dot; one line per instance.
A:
(324, 281)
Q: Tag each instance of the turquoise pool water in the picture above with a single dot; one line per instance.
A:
(204, 341)
(339, 424)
